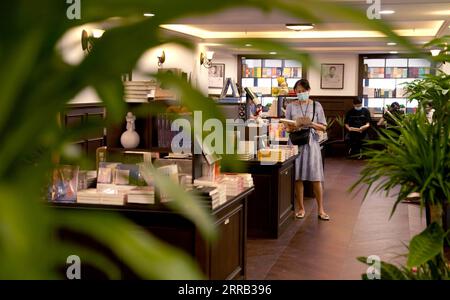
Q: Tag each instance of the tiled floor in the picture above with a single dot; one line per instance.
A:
(313, 249)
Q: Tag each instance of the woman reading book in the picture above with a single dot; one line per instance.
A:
(310, 119)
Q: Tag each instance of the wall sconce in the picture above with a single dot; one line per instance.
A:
(206, 59)
(88, 39)
(161, 58)
(435, 52)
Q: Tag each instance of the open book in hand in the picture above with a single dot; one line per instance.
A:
(287, 121)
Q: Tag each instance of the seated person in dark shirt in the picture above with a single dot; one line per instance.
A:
(357, 121)
(391, 117)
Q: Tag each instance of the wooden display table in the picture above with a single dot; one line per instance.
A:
(225, 259)
(270, 207)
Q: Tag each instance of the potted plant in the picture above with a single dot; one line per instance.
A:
(416, 159)
(416, 156)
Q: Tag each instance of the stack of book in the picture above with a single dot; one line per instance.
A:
(272, 155)
(245, 156)
(186, 182)
(221, 188)
(93, 196)
(141, 195)
(288, 150)
(246, 150)
(247, 180)
(208, 196)
(138, 91)
(234, 184)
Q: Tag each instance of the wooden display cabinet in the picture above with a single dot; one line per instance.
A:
(221, 260)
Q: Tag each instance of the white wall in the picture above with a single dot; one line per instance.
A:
(350, 62)
(176, 57)
(231, 71)
(72, 53)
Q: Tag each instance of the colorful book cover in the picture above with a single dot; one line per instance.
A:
(258, 72)
(64, 184)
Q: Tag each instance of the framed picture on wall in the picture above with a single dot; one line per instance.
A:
(216, 76)
(332, 76)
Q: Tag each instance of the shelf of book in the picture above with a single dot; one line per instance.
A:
(383, 78)
(261, 73)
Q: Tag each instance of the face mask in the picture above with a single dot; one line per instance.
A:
(303, 96)
(358, 107)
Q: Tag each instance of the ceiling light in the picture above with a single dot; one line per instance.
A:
(393, 52)
(149, 15)
(435, 52)
(273, 53)
(248, 45)
(387, 12)
(300, 27)
(440, 13)
(392, 44)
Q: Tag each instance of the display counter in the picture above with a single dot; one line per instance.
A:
(224, 259)
(270, 207)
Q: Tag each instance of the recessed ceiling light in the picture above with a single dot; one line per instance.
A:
(393, 52)
(248, 45)
(273, 53)
(440, 13)
(149, 15)
(300, 27)
(387, 12)
(391, 44)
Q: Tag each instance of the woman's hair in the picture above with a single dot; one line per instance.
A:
(357, 101)
(304, 83)
(395, 106)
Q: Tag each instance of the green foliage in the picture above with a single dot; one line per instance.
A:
(340, 120)
(330, 122)
(416, 156)
(426, 245)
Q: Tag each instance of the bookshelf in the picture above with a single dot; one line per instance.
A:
(260, 73)
(382, 78)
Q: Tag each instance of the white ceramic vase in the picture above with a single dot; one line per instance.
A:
(129, 139)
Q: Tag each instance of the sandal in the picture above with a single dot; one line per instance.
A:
(324, 217)
(300, 215)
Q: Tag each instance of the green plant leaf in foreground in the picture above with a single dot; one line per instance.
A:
(426, 245)
(182, 202)
(36, 84)
(147, 256)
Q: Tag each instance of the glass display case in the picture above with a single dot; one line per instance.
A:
(384, 78)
